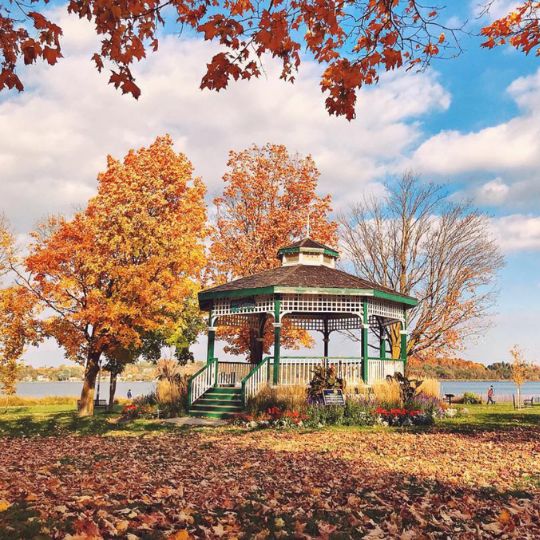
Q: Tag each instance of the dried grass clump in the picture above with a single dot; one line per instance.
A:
(387, 392)
(289, 398)
(430, 387)
(18, 401)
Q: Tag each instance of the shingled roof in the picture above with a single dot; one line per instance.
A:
(300, 276)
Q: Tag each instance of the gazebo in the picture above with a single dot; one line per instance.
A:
(310, 293)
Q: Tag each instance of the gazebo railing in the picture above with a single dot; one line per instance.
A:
(204, 379)
(256, 379)
(298, 370)
(232, 373)
(380, 368)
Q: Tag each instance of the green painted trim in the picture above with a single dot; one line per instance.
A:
(237, 293)
(403, 346)
(211, 340)
(205, 296)
(303, 249)
(407, 300)
(277, 339)
(382, 348)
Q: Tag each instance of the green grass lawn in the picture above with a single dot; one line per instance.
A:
(50, 420)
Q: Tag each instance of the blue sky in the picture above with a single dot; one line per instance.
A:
(472, 123)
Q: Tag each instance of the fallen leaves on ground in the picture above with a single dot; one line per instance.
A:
(267, 484)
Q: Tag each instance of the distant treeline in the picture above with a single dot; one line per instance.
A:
(456, 368)
(141, 371)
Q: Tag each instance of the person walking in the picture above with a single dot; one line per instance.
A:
(490, 394)
(129, 394)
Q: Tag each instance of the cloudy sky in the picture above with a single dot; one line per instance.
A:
(472, 123)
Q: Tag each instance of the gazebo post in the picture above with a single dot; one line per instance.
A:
(403, 349)
(326, 340)
(277, 339)
(211, 338)
(382, 342)
(365, 337)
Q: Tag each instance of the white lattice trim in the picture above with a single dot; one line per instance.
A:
(258, 304)
(384, 308)
(321, 303)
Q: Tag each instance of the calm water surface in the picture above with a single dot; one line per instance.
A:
(72, 388)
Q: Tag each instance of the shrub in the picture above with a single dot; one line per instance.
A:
(354, 413)
(470, 398)
(324, 378)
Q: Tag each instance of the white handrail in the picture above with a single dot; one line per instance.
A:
(255, 380)
(204, 379)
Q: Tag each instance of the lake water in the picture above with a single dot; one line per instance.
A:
(73, 388)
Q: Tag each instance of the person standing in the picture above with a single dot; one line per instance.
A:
(129, 394)
(490, 394)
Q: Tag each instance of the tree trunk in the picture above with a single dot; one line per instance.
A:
(86, 405)
(112, 390)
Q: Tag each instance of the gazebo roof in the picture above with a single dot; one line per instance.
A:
(302, 278)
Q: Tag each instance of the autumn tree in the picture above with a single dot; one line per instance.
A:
(520, 28)
(123, 266)
(416, 242)
(269, 195)
(354, 41)
(519, 370)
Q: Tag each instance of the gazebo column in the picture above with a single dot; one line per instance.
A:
(382, 341)
(365, 345)
(211, 339)
(277, 339)
(326, 340)
(403, 349)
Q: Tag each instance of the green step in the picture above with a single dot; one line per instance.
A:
(218, 402)
(215, 408)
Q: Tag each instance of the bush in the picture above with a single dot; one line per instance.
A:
(470, 398)
(354, 413)
(323, 379)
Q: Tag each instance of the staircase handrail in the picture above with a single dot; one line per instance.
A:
(202, 380)
(253, 381)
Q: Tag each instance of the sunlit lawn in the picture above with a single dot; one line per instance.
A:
(50, 420)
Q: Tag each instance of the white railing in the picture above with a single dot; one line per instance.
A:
(379, 369)
(298, 370)
(256, 379)
(233, 372)
(204, 379)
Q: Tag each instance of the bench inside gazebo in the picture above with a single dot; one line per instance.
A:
(310, 293)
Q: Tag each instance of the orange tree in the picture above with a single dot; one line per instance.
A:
(266, 201)
(354, 40)
(124, 266)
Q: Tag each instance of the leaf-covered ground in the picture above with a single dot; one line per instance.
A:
(225, 483)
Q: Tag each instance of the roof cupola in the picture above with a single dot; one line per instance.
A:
(308, 252)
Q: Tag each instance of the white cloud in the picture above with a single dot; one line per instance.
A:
(517, 232)
(497, 8)
(56, 135)
(493, 192)
(510, 151)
